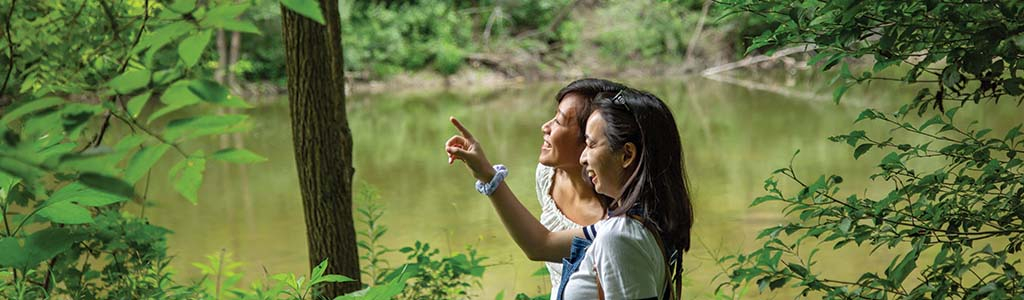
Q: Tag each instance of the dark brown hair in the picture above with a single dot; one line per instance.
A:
(658, 187)
(588, 88)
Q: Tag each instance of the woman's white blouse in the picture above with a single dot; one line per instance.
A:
(551, 217)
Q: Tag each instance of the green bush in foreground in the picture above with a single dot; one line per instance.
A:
(951, 207)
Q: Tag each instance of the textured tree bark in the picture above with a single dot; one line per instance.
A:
(322, 141)
(234, 52)
(222, 54)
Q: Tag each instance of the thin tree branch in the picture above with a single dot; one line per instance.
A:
(10, 47)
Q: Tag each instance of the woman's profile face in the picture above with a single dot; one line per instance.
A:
(561, 147)
(603, 167)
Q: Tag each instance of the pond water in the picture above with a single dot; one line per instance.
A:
(733, 138)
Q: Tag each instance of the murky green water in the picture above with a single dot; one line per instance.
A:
(733, 138)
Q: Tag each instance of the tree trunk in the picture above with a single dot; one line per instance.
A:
(222, 61)
(235, 49)
(322, 141)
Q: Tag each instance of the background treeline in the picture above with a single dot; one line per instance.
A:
(516, 38)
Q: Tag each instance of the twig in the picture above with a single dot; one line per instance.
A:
(124, 65)
(698, 31)
(757, 59)
(10, 47)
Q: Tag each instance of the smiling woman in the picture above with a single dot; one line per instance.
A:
(634, 253)
(566, 199)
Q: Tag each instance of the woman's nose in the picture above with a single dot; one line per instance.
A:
(546, 127)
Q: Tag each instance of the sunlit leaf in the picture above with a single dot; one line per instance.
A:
(213, 92)
(66, 213)
(187, 175)
(136, 104)
(130, 81)
(35, 248)
(237, 156)
(307, 8)
(204, 125)
(143, 161)
(29, 107)
(192, 47)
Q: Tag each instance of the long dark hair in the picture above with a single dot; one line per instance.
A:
(658, 184)
(588, 89)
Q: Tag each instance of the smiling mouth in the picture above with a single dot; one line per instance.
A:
(592, 176)
(545, 145)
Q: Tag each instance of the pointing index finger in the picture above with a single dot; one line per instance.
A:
(462, 129)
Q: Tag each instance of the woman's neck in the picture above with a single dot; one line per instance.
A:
(574, 177)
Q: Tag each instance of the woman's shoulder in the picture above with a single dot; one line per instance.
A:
(619, 228)
(624, 238)
(544, 172)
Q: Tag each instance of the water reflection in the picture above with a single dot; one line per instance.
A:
(733, 138)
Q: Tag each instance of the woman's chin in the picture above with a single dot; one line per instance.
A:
(546, 158)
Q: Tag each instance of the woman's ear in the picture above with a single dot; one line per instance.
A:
(629, 155)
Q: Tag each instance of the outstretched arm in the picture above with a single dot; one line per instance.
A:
(533, 238)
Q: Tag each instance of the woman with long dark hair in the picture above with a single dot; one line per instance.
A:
(634, 159)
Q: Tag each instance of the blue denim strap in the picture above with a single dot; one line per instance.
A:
(571, 264)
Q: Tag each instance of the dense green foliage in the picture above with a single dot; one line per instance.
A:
(65, 177)
(951, 203)
(385, 38)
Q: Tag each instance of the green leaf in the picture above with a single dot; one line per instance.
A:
(234, 155)
(204, 125)
(160, 37)
(85, 195)
(307, 8)
(333, 278)
(107, 184)
(950, 113)
(28, 108)
(900, 272)
(866, 114)
(213, 92)
(934, 120)
(40, 246)
(188, 176)
(951, 76)
(318, 271)
(183, 6)
(543, 271)
(240, 26)
(861, 150)
(143, 161)
(982, 133)
(838, 92)
(66, 213)
(1013, 86)
(892, 159)
(192, 47)
(136, 104)
(798, 269)
(7, 182)
(177, 96)
(217, 16)
(130, 81)
(1013, 133)
(845, 224)
(763, 199)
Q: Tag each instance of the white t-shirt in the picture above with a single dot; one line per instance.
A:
(551, 217)
(626, 258)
